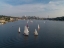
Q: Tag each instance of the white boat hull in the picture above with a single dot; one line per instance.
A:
(26, 34)
(36, 34)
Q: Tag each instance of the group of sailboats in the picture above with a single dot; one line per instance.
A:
(26, 31)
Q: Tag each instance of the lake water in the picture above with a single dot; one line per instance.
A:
(51, 34)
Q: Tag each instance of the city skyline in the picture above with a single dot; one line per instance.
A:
(41, 8)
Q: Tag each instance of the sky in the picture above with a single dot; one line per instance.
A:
(41, 8)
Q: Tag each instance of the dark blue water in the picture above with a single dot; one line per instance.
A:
(51, 35)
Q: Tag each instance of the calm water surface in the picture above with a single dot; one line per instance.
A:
(51, 34)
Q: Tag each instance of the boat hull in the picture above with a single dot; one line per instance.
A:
(36, 34)
(26, 34)
(18, 32)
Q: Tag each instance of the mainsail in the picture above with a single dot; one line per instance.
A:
(38, 26)
(19, 29)
(26, 31)
(35, 33)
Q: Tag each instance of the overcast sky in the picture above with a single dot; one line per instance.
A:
(41, 8)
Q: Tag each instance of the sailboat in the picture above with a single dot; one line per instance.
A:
(38, 26)
(26, 31)
(35, 33)
(44, 21)
(19, 30)
(31, 21)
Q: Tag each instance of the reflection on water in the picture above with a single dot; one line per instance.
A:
(19, 35)
(35, 37)
(26, 38)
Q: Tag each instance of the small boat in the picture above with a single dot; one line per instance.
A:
(26, 31)
(35, 33)
(19, 30)
(31, 21)
(38, 26)
(2, 23)
(44, 21)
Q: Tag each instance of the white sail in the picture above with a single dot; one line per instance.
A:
(35, 33)
(26, 31)
(38, 26)
(19, 29)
